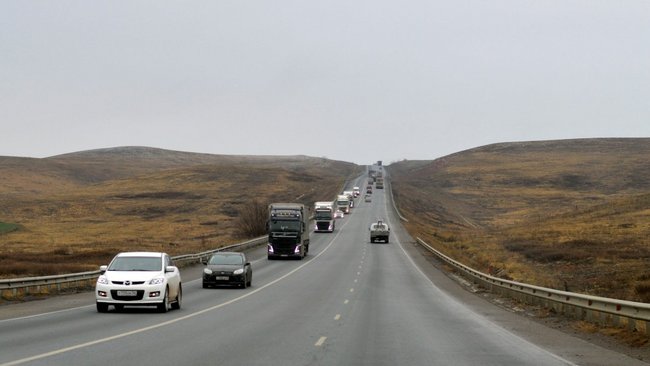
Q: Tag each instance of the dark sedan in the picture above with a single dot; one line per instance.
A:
(227, 268)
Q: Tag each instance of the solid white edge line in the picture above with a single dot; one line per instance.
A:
(399, 242)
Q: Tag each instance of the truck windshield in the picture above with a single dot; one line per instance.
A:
(324, 215)
(283, 225)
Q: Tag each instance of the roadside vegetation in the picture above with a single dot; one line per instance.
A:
(73, 213)
(572, 215)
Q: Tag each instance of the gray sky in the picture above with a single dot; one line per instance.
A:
(350, 80)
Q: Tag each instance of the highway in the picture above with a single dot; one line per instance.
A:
(349, 302)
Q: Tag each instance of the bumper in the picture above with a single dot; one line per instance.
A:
(130, 295)
(219, 280)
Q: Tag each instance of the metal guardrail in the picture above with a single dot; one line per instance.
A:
(601, 310)
(10, 288)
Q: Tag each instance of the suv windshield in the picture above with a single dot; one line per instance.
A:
(136, 264)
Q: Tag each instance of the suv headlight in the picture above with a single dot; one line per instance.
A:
(102, 280)
(157, 281)
(238, 271)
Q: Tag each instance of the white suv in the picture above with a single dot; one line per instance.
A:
(139, 279)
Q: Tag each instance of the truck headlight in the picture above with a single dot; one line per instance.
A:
(270, 248)
(297, 250)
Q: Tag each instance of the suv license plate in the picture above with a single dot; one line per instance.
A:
(127, 293)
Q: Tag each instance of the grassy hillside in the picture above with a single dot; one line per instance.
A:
(74, 212)
(571, 214)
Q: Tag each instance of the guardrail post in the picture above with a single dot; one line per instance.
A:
(631, 324)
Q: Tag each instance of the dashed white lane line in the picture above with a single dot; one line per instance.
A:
(352, 289)
(320, 342)
(346, 301)
(337, 317)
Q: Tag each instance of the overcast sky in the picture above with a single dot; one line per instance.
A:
(349, 80)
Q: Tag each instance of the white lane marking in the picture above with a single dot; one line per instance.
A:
(337, 317)
(355, 280)
(358, 273)
(320, 342)
(352, 289)
(346, 301)
(43, 314)
(172, 321)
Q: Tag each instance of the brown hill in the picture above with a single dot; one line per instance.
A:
(570, 214)
(72, 212)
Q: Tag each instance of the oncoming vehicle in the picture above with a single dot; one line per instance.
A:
(227, 268)
(338, 214)
(368, 198)
(139, 279)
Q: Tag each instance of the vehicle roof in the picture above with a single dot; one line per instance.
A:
(140, 254)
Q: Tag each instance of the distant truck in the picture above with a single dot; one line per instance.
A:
(343, 203)
(379, 184)
(356, 191)
(324, 217)
(351, 196)
(288, 231)
(379, 231)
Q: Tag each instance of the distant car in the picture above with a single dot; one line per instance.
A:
(139, 279)
(227, 268)
(338, 214)
(368, 198)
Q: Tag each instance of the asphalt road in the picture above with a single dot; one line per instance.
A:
(349, 302)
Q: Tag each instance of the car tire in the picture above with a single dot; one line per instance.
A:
(176, 305)
(102, 307)
(250, 281)
(163, 307)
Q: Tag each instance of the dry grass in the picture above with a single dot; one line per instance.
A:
(563, 214)
(164, 201)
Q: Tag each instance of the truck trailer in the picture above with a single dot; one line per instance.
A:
(288, 231)
(324, 217)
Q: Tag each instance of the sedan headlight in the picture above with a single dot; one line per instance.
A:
(102, 280)
(238, 271)
(157, 281)
(207, 271)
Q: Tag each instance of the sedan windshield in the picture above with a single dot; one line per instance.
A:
(136, 264)
(226, 259)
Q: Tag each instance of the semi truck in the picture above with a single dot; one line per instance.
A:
(343, 203)
(380, 183)
(288, 231)
(324, 217)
